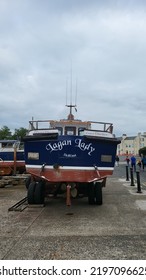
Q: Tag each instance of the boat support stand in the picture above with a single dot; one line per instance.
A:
(68, 195)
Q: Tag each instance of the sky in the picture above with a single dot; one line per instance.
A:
(88, 53)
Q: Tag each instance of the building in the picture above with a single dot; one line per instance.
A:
(131, 144)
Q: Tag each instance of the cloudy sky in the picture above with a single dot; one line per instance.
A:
(101, 42)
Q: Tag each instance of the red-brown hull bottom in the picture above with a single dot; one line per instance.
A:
(6, 168)
(54, 176)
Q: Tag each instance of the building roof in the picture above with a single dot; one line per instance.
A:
(130, 138)
(119, 138)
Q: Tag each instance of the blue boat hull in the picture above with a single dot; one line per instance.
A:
(9, 156)
(9, 162)
(70, 158)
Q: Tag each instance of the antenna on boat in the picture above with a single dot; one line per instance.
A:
(71, 116)
(66, 89)
(71, 85)
(76, 96)
(71, 105)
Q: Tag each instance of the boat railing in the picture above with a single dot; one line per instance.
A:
(47, 124)
(102, 126)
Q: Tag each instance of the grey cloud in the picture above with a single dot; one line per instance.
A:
(105, 43)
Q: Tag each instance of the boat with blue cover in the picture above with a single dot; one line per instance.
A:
(11, 157)
(69, 155)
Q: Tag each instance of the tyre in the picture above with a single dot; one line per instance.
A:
(27, 182)
(30, 193)
(91, 194)
(98, 193)
(39, 193)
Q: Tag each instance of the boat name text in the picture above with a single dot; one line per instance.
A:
(58, 146)
(83, 146)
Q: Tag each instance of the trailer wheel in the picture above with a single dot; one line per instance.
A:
(91, 194)
(39, 193)
(30, 192)
(27, 182)
(98, 193)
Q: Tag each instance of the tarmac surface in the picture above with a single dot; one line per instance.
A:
(116, 230)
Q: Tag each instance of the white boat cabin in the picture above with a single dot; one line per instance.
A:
(71, 127)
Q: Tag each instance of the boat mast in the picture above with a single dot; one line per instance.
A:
(70, 106)
(71, 116)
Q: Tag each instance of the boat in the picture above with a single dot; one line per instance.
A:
(11, 157)
(68, 156)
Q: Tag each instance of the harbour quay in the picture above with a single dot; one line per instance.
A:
(114, 230)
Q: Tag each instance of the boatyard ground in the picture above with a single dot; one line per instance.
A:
(115, 230)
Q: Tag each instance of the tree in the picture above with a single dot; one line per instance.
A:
(19, 133)
(142, 151)
(5, 133)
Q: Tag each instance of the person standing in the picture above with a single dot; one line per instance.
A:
(133, 163)
(117, 160)
(127, 160)
(143, 161)
(139, 164)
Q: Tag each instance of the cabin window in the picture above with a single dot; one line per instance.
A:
(106, 158)
(7, 145)
(34, 156)
(60, 130)
(81, 130)
(21, 146)
(70, 130)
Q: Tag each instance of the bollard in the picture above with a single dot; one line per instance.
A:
(132, 179)
(138, 182)
(127, 173)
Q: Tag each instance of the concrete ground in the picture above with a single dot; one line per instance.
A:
(115, 230)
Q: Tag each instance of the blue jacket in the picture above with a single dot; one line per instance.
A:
(133, 160)
(143, 160)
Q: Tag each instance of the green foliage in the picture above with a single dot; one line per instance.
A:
(19, 133)
(5, 133)
(142, 151)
